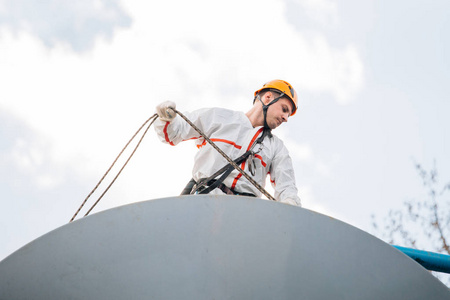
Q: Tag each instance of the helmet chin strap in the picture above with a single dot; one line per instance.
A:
(266, 107)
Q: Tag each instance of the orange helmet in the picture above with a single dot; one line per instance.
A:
(283, 87)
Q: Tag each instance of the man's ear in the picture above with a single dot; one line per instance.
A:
(266, 97)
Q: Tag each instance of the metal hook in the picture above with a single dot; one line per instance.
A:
(251, 164)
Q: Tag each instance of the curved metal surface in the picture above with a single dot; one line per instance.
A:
(212, 247)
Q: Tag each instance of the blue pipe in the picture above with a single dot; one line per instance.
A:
(429, 260)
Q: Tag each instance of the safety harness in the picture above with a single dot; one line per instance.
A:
(206, 185)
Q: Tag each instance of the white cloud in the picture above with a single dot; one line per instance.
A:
(88, 105)
(28, 164)
(73, 23)
(233, 49)
(24, 157)
(324, 12)
(300, 152)
(336, 71)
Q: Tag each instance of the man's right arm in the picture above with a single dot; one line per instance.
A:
(171, 128)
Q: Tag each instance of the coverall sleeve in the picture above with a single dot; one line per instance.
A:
(179, 130)
(283, 177)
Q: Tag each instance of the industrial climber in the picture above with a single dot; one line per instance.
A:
(245, 137)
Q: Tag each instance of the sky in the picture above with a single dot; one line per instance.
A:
(77, 79)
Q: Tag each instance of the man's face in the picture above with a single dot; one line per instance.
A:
(278, 113)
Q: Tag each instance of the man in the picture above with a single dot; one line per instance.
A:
(245, 138)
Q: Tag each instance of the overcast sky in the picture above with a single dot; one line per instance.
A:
(77, 79)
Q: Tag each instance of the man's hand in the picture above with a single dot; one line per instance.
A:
(165, 112)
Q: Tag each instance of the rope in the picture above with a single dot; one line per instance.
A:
(151, 120)
(252, 181)
(101, 180)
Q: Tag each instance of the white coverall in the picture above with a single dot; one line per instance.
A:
(233, 133)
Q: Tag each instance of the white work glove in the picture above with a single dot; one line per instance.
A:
(165, 112)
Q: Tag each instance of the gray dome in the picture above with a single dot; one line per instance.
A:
(212, 247)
